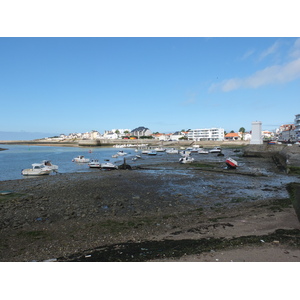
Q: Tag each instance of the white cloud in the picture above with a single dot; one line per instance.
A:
(191, 99)
(270, 75)
(295, 51)
(247, 54)
(270, 50)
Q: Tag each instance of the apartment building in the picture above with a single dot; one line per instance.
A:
(207, 134)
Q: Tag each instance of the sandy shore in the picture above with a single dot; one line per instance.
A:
(142, 215)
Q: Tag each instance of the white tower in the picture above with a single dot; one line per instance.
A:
(256, 133)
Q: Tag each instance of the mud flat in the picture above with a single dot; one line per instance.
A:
(165, 212)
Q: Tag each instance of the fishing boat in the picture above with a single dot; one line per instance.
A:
(172, 151)
(81, 159)
(49, 164)
(108, 166)
(186, 160)
(203, 151)
(152, 152)
(215, 150)
(94, 163)
(231, 163)
(36, 170)
(121, 153)
(160, 149)
(192, 149)
(185, 153)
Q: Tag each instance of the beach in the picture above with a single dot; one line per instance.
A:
(166, 212)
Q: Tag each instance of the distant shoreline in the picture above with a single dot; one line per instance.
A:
(110, 143)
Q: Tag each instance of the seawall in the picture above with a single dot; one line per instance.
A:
(286, 155)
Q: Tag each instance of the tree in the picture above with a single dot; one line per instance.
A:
(242, 130)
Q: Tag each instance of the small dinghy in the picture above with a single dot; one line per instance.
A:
(108, 166)
(186, 160)
(94, 163)
(81, 159)
(231, 163)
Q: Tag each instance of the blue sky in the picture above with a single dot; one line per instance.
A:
(64, 85)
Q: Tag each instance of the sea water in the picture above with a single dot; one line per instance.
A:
(19, 157)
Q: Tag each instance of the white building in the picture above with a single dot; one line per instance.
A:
(121, 131)
(207, 134)
(110, 135)
(176, 136)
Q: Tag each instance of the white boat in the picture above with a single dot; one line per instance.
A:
(108, 166)
(49, 164)
(160, 149)
(121, 153)
(172, 151)
(215, 150)
(186, 160)
(152, 152)
(115, 156)
(36, 170)
(81, 159)
(192, 149)
(203, 151)
(185, 153)
(145, 151)
(94, 163)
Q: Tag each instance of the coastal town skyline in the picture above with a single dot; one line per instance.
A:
(64, 85)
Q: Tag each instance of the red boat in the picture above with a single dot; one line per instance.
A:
(231, 163)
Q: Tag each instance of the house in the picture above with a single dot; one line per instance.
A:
(141, 131)
(176, 136)
(233, 136)
(110, 135)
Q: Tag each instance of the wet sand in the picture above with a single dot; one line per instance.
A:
(156, 212)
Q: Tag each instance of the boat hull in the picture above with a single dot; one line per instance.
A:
(30, 172)
(231, 163)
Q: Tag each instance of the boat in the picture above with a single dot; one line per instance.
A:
(108, 166)
(49, 164)
(185, 153)
(94, 163)
(192, 149)
(121, 153)
(231, 163)
(160, 149)
(186, 160)
(115, 156)
(36, 170)
(145, 151)
(215, 150)
(172, 151)
(203, 151)
(81, 159)
(152, 152)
